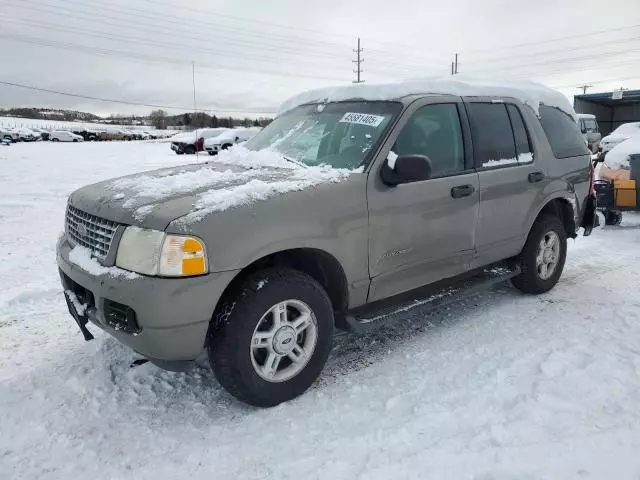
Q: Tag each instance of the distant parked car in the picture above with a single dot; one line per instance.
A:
(590, 131)
(27, 135)
(192, 142)
(64, 136)
(9, 134)
(229, 138)
(113, 135)
(619, 135)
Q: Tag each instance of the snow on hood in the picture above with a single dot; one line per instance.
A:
(531, 93)
(618, 157)
(237, 177)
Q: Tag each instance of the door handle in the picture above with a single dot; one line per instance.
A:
(462, 191)
(535, 177)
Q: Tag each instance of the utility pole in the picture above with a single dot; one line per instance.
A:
(453, 67)
(455, 70)
(358, 61)
(584, 88)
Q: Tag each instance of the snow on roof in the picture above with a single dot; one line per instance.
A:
(531, 93)
(618, 157)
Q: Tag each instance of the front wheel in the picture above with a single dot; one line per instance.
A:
(270, 341)
(543, 256)
(55, 140)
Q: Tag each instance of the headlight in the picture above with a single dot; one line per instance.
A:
(151, 252)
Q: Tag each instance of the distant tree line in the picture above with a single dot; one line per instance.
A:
(158, 118)
(161, 120)
(48, 114)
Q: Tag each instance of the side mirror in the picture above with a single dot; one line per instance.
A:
(407, 169)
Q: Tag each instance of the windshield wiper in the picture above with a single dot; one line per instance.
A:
(297, 162)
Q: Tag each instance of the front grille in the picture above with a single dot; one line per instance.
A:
(89, 231)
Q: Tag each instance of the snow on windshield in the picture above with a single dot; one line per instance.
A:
(531, 93)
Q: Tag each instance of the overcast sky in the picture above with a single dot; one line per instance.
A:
(251, 55)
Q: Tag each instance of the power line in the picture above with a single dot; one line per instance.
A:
(556, 39)
(560, 60)
(98, 51)
(139, 26)
(126, 102)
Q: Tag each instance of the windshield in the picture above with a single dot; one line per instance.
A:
(342, 135)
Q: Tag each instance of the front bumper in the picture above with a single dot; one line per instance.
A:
(172, 314)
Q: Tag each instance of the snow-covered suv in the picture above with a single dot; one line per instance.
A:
(354, 204)
(229, 138)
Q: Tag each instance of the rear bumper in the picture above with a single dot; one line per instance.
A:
(172, 315)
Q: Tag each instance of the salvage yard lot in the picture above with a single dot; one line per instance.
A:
(502, 386)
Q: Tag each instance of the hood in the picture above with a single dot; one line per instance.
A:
(154, 199)
(184, 137)
(615, 138)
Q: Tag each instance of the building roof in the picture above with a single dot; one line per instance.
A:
(628, 96)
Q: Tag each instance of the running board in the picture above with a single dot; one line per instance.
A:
(379, 314)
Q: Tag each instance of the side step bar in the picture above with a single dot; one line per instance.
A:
(379, 314)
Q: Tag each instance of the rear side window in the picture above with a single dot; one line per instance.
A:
(493, 141)
(523, 145)
(563, 133)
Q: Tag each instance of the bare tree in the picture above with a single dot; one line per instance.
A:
(159, 119)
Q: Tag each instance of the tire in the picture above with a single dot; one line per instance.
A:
(55, 140)
(234, 359)
(226, 146)
(612, 218)
(179, 152)
(533, 279)
(75, 140)
(189, 150)
(210, 153)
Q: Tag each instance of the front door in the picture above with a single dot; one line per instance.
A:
(424, 231)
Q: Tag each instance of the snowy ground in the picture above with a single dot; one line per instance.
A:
(504, 386)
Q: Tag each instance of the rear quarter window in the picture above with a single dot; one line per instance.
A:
(563, 133)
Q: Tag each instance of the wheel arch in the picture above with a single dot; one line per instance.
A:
(319, 264)
(562, 208)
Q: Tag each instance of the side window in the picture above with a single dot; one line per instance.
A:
(493, 142)
(523, 145)
(563, 133)
(434, 131)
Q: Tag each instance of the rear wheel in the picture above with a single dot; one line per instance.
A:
(612, 218)
(543, 256)
(190, 149)
(270, 341)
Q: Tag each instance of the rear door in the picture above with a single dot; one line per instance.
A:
(422, 232)
(511, 179)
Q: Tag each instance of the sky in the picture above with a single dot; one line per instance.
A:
(246, 57)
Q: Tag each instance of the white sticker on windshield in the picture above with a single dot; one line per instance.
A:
(362, 119)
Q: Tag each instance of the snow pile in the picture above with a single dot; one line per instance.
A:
(492, 387)
(618, 157)
(500, 163)
(531, 93)
(256, 189)
(242, 156)
(82, 257)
